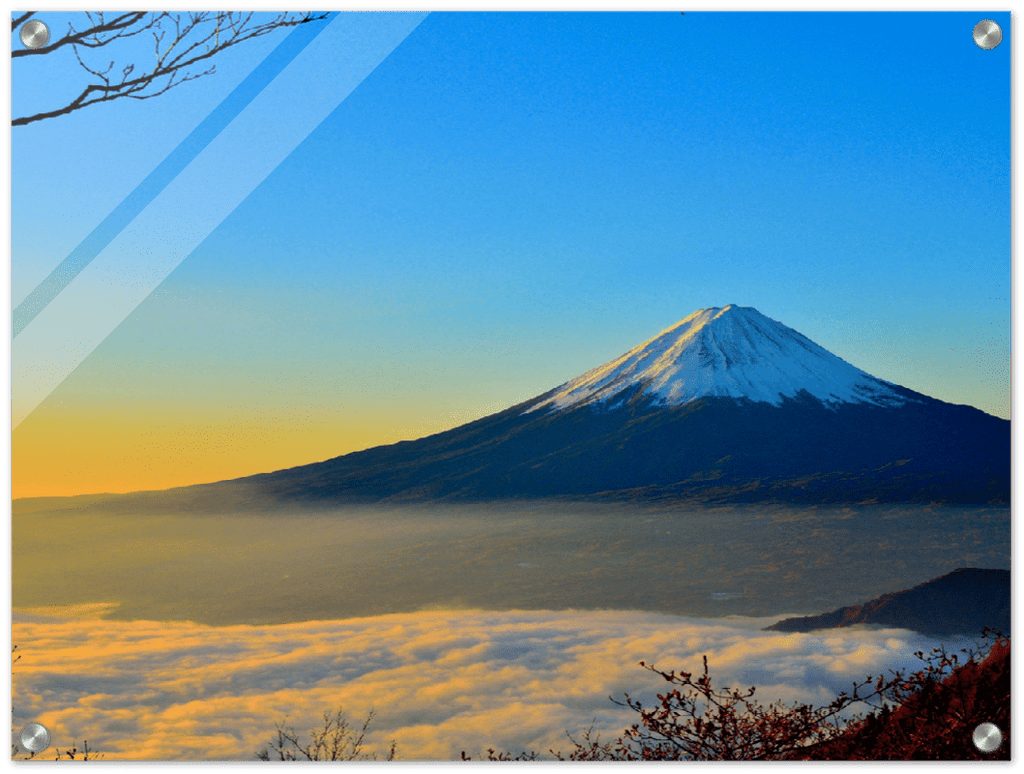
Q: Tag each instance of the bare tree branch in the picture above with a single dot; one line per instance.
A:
(21, 20)
(74, 38)
(335, 740)
(181, 42)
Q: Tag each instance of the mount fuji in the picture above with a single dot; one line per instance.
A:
(732, 352)
(725, 406)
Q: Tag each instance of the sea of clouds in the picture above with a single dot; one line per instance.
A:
(441, 682)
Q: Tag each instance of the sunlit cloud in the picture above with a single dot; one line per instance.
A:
(440, 681)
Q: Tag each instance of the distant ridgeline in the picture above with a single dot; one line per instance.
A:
(963, 602)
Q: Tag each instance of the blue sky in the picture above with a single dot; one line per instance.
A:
(509, 200)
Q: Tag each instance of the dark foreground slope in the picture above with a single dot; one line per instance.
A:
(937, 721)
(964, 601)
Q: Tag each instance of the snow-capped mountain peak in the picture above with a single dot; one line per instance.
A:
(729, 351)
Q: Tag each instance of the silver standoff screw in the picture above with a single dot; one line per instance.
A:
(34, 737)
(987, 737)
(34, 34)
(987, 34)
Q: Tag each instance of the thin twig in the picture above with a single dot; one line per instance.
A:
(191, 45)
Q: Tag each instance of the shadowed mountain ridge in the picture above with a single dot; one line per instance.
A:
(964, 601)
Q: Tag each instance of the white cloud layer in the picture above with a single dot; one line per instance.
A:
(440, 681)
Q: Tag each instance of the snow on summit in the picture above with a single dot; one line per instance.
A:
(730, 351)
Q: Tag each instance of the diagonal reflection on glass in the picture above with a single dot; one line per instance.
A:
(166, 171)
(194, 203)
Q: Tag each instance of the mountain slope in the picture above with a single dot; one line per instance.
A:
(710, 450)
(964, 601)
(726, 406)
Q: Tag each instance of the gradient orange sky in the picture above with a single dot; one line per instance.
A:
(64, 448)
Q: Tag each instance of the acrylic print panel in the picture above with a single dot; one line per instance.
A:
(442, 368)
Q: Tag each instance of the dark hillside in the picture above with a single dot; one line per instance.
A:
(964, 601)
(937, 722)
